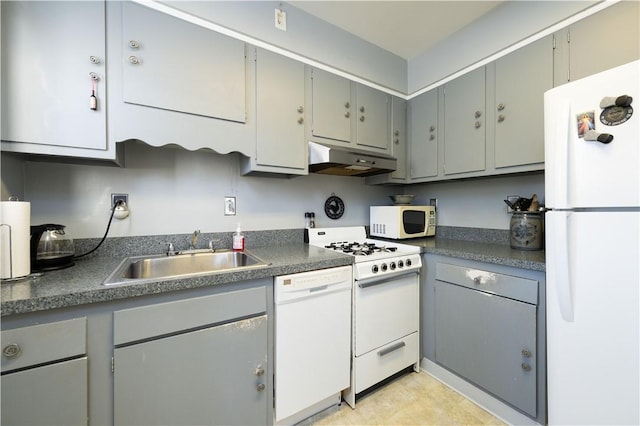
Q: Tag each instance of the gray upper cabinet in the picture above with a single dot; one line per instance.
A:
(399, 145)
(599, 42)
(372, 118)
(521, 78)
(345, 112)
(280, 145)
(465, 123)
(424, 140)
(180, 83)
(50, 51)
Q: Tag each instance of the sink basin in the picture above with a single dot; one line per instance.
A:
(160, 267)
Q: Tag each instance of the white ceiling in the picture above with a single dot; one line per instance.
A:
(406, 28)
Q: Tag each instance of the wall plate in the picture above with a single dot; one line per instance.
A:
(229, 206)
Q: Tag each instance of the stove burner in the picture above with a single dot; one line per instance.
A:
(359, 249)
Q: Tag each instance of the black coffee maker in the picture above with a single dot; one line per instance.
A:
(51, 248)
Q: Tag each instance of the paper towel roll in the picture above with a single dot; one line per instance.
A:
(15, 235)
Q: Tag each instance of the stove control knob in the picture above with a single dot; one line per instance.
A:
(400, 264)
(392, 266)
(374, 269)
(408, 262)
(383, 267)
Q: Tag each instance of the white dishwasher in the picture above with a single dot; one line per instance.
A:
(312, 341)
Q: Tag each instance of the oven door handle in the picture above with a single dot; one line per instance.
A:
(370, 282)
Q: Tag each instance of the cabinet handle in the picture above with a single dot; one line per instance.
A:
(347, 105)
(362, 118)
(525, 366)
(12, 350)
(477, 281)
(385, 351)
(260, 387)
(500, 118)
(134, 44)
(396, 133)
(300, 120)
(300, 109)
(259, 371)
(478, 114)
(94, 59)
(431, 137)
(478, 125)
(347, 114)
(361, 109)
(432, 128)
(501, 107)
(526, 353)
(134, 60)
(93, 76)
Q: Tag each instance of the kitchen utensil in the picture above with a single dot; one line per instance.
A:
(402, 199)
(51, 248)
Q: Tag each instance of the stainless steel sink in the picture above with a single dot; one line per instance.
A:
(161, 267)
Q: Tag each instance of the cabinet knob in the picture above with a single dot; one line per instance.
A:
(525, 366)
(300, 120)
(477, 281)
(478, 125)
(347, 114)
(11, 350)
(396, 141)
(260, 387)
(259, 371)
(93, 76)
(432, 128)
(526, 353)
(94, 59)
(347, 105)
(361, 109)
(134, 44)
(362, 118)
(396, 132)
(134, 60)
(501, 107)
(432, 137)
(300, 109)
(478, 114)
(500, 118)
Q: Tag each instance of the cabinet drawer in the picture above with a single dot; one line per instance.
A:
(134, 324)
(382, 362)
(38, 344)
(522, 289)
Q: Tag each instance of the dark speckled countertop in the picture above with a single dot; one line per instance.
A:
(283, 249)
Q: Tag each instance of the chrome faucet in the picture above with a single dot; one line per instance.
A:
(194, 239)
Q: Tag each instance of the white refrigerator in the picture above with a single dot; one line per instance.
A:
(592, 186)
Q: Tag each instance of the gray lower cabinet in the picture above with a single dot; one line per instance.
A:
(485, 323)
(200, 360)
(209, 376)
(44, 374)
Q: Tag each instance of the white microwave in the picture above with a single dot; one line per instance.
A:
(401, 222)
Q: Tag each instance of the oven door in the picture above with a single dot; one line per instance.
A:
(385, 310)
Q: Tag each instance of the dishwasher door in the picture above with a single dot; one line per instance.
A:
(312, 341)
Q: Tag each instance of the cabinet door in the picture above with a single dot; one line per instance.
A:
(54, 394)
(399, 137)
(502, 335)
(465, 123)
(175, 65)
(47, 54)
(280, 140)
(209, 376)
(332, 106)
(373, 116)
(604, 40)
(521, 79)
(423, 119)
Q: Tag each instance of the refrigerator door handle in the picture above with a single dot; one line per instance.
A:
(562, 266)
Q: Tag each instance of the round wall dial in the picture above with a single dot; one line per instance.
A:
(334, 207)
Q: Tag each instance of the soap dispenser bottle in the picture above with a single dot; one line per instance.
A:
(238, 240)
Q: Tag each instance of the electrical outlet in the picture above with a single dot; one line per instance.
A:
(281, 19)
(119, 197)
(229, 206)
(512, 199)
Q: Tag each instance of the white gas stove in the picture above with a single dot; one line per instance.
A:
(386, 304)
(374, 258)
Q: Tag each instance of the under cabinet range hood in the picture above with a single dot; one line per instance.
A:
(332, 160)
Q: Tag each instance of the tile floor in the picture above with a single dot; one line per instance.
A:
(411, 399)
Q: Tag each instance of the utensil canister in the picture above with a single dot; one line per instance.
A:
(15, 233)
(526, 230)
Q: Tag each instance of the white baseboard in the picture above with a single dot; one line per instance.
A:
(477, 395)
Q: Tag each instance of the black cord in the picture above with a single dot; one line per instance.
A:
(113, 210)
